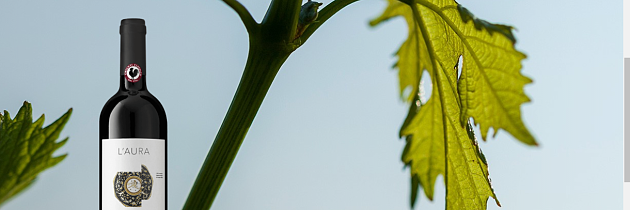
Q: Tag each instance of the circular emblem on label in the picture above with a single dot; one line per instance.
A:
(133, 72)
(133, 185)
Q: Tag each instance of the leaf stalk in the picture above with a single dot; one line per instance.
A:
(250, 24)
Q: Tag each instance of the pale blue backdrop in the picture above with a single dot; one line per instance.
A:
(326, 135)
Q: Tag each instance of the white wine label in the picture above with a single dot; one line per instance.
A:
(133, 174)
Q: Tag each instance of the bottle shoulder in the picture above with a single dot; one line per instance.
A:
(141, 101)
(138, 115)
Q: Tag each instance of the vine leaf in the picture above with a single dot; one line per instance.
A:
(489, 90)
(26, 149)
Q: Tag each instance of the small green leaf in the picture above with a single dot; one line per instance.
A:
(439, 135)
(26, 149)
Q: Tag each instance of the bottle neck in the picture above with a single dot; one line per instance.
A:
(133, 55)
(132, 86)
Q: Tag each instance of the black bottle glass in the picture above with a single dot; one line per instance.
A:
(133, 133)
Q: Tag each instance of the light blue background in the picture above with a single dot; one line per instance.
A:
(326, 134)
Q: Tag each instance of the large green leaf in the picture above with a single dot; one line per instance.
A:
(26, 149)
(489, 90)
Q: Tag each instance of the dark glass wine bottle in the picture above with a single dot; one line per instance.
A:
(132, 129)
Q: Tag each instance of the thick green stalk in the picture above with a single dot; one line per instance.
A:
(263, 64)
(268, 51)
(280, 21)
(271, 43)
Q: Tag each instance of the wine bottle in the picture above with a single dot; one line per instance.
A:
(132, 129)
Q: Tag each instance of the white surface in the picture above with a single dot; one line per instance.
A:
(626, 29)
(626, 53)
(113, 163)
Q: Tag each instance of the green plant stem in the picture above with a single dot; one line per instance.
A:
(326, 13)
(267, 52)
(262, 66)
(270, 46)
(280, 22)
(246, 17)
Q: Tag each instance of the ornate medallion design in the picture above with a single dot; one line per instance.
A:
(132, 187)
